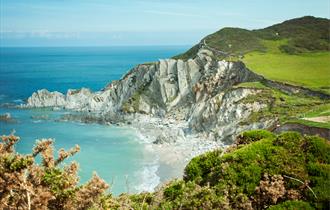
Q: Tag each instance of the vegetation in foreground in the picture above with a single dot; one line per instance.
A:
(25, 184)
(261, 171)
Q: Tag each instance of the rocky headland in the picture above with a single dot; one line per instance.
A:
(199, 93)
(184, 108)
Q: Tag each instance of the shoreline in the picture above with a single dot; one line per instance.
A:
(172, 155)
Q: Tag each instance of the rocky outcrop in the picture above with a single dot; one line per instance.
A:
(44, 98)
(199, 91)
(224, 114)
(6, 117)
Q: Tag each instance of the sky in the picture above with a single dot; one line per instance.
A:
(139, 22)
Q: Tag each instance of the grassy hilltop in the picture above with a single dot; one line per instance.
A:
(296, 51)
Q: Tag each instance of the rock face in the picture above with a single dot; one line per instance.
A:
(199, 91)
(44, 98)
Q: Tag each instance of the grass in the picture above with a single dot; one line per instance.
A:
(234, 40)
(311, 70)
(310, 123)
(287, 108)
(318, 111)
(305, 34)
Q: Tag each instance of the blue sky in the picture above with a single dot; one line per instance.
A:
(139, 22)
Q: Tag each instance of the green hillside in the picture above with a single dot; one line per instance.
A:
(310, 69)
(305, 34)
(296, 51)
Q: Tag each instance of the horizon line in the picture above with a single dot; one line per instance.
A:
(81, 46)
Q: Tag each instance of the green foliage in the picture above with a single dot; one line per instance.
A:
(58, 182)
(234, 40)
(292, 205)
(317, 150)
(310, 123)
(187, 195)
(200, 166)
(16, 162)
(289, 140)
(132, 105)
(305, 34)
(289, 153)
(288, 108)
(310, 70)
(191, 53)
(320, 179)
(254, 135)
(174, 190)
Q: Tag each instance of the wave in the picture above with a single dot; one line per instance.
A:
(148, 178)
(18, 101)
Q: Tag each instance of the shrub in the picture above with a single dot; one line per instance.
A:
(174, 190)
(254, 135)
(292, 205)
(199, 167)
(24, 184)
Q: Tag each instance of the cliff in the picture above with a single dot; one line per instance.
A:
(199, 91)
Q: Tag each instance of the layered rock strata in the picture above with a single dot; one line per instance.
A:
(199, 91)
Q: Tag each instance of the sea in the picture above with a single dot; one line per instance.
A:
(118, 154)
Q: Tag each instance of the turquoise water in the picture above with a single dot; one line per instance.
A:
(118, 154)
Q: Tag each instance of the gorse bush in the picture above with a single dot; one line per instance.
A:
(24, 184)
(292, 205)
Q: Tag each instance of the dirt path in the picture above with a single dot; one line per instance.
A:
(322, 119)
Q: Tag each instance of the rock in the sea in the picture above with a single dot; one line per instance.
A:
(44, 98)
(5, 117)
